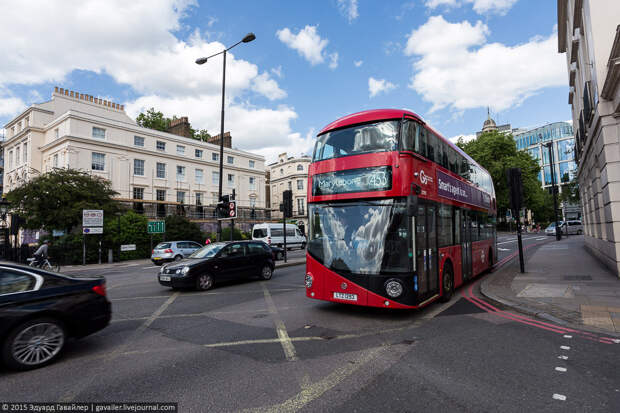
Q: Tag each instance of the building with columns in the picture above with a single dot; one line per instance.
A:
(589, 36)
(290, 173)
(159, 173)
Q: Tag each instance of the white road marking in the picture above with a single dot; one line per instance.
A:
(565, 347)
(563, 357)
(559, 397)
(157, 313)
(515, 240)
(567, 336)
(615, 340)
(285, 340)
(562, 369)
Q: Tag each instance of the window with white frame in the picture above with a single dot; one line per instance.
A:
(215, 156)
(55, 160)
(56, 133)
(181, 197)
(138, 193)
(198, 198)
(25, 152)
(290, 185)
(252, 164)
(98, 133)
(300, 167)
(160, 145)
(230, 159)
(161, 170)
(161, 194)
(138, 141)
(252, 183)
(10, 159)
(198, 153)
(231, 180)
(199, 176)
(17, 162)
(180, 150)
(215, 178)
(138, 167)
(300, 206)
(180, 173)
(300, 184)
(252, 202)
(98, 161)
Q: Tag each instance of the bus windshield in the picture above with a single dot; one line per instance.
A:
(355, 140)
(368, 237)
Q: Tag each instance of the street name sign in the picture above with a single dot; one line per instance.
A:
(156, 227)
(92, 230)
(92, 217)
(128, 247)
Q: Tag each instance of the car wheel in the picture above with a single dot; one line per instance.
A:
(178, 257)
(266, 272)
(447, 282)
(204, 282)
(34, 344)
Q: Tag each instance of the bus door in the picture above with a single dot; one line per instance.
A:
(466, 245)
(426, 255)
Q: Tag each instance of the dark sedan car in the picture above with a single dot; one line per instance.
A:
(278, 253)
(219, 261)
(40, 310)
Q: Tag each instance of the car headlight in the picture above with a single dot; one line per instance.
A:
(185, 270)
(309, 280)
(393, 288)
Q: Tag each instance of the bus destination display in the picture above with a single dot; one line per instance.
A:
(353, 180)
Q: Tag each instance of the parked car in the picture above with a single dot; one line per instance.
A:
(40, 311)
(278, 253)
(219, 261)
(273, 234)
(550, 230)
(173, 251)
(572, 227)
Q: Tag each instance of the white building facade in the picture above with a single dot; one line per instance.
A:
(78, 131)
(290, 173)
(589, 35)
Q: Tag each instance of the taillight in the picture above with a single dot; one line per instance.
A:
(99, 289)
(168, 251)
(269, 240)
(153, 252)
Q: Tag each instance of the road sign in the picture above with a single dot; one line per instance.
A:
(92, 217)
(156, 227)
(128, 247)
(92, 230)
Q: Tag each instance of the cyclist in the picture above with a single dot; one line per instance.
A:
(40, 254)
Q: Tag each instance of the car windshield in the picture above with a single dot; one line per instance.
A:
(207, 251)
(368, 237)
(371, 137)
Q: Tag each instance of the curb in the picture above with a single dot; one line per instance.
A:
(289, 264)
(496, 299)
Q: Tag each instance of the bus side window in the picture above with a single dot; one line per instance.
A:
(431, 145)
(409, 133)
(421, 142)
(452, 160)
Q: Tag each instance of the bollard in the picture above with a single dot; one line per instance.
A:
(110, 256)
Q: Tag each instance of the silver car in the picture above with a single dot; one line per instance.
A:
(173, 251)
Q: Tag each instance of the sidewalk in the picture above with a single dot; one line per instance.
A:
(147, 262)
(562, 283)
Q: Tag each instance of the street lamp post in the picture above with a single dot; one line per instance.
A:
(558, 230)
(248, 38)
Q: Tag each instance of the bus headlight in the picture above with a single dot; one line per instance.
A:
(394, 288)
(309, 280)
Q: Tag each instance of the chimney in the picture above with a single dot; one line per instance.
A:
(216, 140)
(180, 127)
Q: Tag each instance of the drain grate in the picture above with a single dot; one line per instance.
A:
(577, 277)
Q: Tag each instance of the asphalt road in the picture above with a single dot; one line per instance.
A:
(263, 346)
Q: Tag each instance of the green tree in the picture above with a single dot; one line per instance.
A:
(201, 134)
(153, 120)
(180, 228)
(497, 153)
(55, 200)
(570, 192)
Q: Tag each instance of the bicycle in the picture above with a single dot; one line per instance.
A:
(44, 265)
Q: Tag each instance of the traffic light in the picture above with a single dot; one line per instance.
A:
(232, 209)
(227, 209)
(287, 198)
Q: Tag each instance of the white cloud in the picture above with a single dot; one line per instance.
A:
(466, 138)
(457, 68)
(103, 37)
(480, 6)
(376, 86)
(348, 8)
(358, 63)
(333, 60)
(295, 144)
(268, 87)
(277, 71)
(11, 106)
(308, 44)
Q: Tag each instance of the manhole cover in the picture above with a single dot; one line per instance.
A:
(577, 277)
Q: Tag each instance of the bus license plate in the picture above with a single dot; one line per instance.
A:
(164, 278)
(345, 296)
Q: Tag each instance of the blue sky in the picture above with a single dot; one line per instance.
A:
(311, 62)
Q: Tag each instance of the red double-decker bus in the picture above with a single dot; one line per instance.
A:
(398, 215)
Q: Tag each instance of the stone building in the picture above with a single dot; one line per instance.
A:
(290, 173)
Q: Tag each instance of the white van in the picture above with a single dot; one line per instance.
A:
(273, 234)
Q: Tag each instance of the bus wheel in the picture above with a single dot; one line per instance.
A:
(447, 283)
